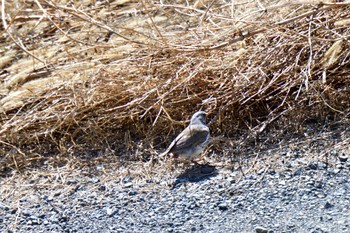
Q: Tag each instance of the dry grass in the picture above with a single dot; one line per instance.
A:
(102, 78)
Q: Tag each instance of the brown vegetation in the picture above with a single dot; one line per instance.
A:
(125, 74)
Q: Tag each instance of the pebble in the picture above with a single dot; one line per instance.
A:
(343, 158)
(260, 229)
(336, 171)
(328, 205)
(128, 185)
(223, 206)
(110, 211)
(293, 196)
(95, 180)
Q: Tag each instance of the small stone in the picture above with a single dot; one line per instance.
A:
(99, 168)
(282, 182)
(296, 153)
(110, 212)
(336, 171)
(317, 230)
(320, 194)
(4, 207)
(26, 212)
(223, 207)
(127, 179)
(334, 152)
(48, 198)
(63, 219)
(53, 219)
(322, 165)
(343, 158)
(328, 205)
(13, 211)
(261, 171)
(261, 230)
(95, 180)
(71, 181)
(132, 193)
(313, 166)
(128, 185)
(298, 172)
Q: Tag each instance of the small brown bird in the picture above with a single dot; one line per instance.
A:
(191, 142)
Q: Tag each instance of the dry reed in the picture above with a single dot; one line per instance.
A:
(124, 75)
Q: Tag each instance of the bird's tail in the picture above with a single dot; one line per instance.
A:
(162, 155)
(166, 152)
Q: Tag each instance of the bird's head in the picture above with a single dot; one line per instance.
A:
(199, 118)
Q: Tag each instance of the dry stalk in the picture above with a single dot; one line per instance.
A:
(119, 78)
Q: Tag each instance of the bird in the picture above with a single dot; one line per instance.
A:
(192, 141)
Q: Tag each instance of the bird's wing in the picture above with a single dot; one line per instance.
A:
(193, 135)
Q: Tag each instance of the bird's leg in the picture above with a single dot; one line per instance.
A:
(194, 161)
(197, 160)
(175, 161)
(150, 163)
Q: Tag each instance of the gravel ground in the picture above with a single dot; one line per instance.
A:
(287, 192)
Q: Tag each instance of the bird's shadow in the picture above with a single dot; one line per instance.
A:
(196, 173)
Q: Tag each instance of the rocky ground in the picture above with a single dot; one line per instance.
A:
(292, 188)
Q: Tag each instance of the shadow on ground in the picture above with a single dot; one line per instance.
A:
(196, 173)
